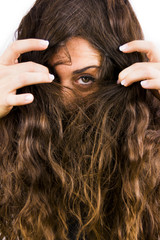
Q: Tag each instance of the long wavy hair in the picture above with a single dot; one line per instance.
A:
(90, 170)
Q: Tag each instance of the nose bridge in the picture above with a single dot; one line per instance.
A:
(65, 74)
(67, 85)
(66, 80)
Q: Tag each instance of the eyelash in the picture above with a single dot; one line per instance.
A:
(83, 85)
(90, 78)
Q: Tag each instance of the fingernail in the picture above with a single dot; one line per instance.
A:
(44, 43)
(51, 76)
(29, 98)
(123, 47)
(144, 83)
(123, 83)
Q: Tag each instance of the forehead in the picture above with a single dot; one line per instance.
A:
(77, 52)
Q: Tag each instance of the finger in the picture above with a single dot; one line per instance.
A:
(28, 67)
(151, 84)
(138, 72)
(21, 68)
(142, 46)
(21, 46)
(140, 75)
(136, 66)
(27, 78)
(18, 100)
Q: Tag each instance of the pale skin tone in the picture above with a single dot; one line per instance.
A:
(147, 73)
(15, 75)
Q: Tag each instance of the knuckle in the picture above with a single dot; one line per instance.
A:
(31, 41)
(152, 48)
(22, 78)
(135, 65)
(31, 66)
(7, 101)
(44, 77)
(43, 68)
(148, 72)
(120, 75)
(13, 47)
(46, 69)
(151, 45)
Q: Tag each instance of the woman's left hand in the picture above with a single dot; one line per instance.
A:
(148, 73)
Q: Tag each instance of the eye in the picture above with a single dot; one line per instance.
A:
(85, 80)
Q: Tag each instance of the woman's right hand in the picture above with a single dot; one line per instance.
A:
(14, 75)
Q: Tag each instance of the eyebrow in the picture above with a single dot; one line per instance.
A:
(78, 71)
(84, 69)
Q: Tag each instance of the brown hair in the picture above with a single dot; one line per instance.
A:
(89, 173)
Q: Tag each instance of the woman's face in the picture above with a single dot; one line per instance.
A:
(77, 66)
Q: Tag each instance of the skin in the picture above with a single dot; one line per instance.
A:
(15, 75)
(148, 73)
(80, 71)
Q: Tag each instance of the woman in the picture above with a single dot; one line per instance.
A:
(82, 160)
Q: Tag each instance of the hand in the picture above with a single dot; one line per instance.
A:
(148, 73)
(14, 75)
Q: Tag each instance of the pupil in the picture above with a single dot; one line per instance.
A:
(85, 79)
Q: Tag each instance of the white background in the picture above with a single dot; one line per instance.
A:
(12, 11)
